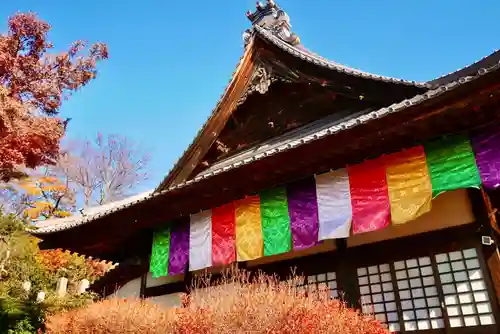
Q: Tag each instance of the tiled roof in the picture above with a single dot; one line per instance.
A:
(262, 151)
(282, 141)
(308, 56)
(469, 70)
(300, 52)
(89, 214)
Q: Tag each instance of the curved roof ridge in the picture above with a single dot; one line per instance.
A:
(301, 52)
(468, 70)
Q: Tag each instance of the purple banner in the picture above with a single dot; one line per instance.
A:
(303, 210)
(179, 249)
(487, 151)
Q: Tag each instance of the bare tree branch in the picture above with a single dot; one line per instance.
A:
(106, 169)
(88, 172)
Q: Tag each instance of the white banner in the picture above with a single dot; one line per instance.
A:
(334, 204)
(200, 240)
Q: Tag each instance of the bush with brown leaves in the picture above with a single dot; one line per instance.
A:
(234, 306)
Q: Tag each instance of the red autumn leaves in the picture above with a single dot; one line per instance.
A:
(33, 84)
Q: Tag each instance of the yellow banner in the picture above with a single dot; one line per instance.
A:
(249, 241)
(410, 189)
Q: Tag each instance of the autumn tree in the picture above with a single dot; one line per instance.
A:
(22, 261)
(73, 266)
(46, 195)
(39, 194)
(33, 84)
(86, 173)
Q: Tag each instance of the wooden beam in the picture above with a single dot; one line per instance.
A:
(491, 211)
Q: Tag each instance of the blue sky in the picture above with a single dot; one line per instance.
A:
(170, 60)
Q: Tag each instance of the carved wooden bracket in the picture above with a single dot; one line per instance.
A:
(262, 78)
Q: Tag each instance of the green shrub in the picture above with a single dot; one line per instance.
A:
(21, 261)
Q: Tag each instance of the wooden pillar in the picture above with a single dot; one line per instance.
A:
(492, 258)
(485, 214)
(492, 255)
(142, 288)
(347, 280)
(143, 262)
(491, 211)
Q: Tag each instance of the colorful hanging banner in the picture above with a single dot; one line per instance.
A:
(249, 243)
(369, 196)
(487, 151)
(200, 240)
(451, 164)
(179, 249)
(398, 187)
(409, 184)
(334, 205)
(158, 265)
(223, 235)
(303, 210)
(275, 221)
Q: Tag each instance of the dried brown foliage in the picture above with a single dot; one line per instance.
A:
(235, 306)
(33, 84)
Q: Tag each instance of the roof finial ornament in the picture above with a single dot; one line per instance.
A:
(272, 18)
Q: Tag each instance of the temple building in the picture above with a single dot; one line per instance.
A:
(382, 189)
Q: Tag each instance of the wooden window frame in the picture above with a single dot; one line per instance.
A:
(423, 245)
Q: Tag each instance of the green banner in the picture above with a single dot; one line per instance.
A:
(275, 221)
(452, 164)
(160, 253)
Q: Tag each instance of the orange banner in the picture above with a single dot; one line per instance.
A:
(410, 189)
(249, 241)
